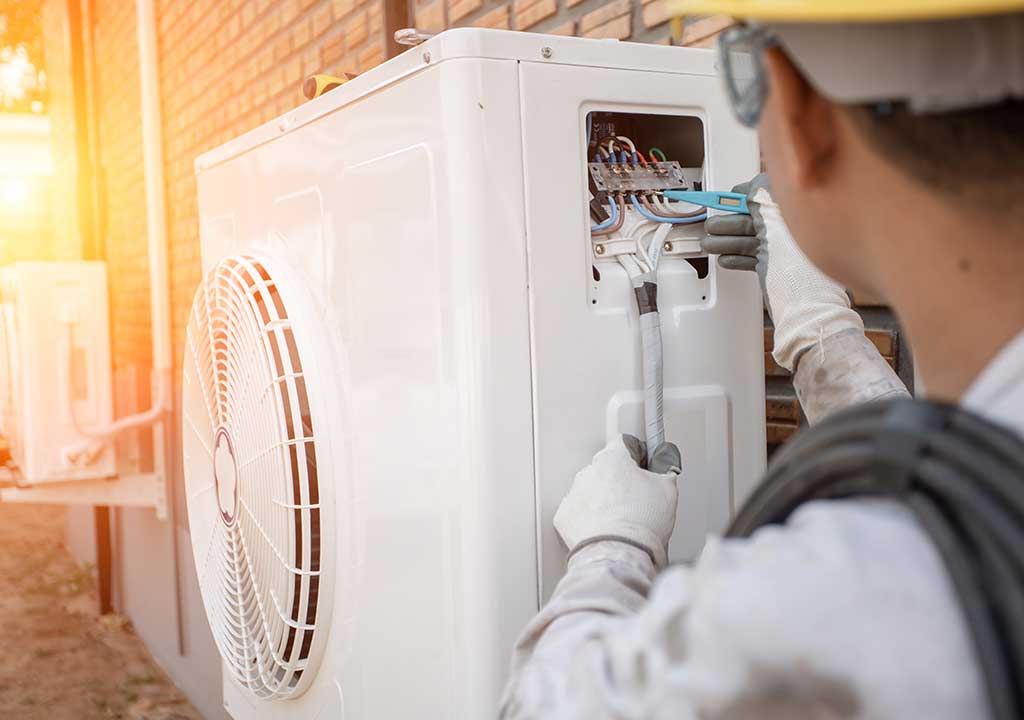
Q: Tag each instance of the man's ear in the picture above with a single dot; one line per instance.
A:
(806, 122)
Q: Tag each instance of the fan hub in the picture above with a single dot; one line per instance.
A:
(225, 476)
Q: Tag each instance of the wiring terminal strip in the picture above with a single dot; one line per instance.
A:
(631, 177)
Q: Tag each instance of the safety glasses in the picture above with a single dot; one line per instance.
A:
(741, 57)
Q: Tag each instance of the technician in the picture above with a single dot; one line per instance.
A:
(893, 133)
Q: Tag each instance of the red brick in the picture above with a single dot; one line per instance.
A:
(376, 19)
(699, 30)
(458, 9)
(357, 30)
(301, 32)
(567, 28)
(706, 43)
(496, 18)
(655, 13)
(604, 14)
(371, 56)
(311, 61)
(321, 20)
(530, 12)
(619, 28)
(430, 17)
(343, 7)
(248, 14)
(282, 47)
(332, 50)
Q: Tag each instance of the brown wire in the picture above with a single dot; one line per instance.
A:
(606, 138)
(650, 206)
(618, 223)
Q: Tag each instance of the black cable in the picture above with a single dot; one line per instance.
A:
(961, 476)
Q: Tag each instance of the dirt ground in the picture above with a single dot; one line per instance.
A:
(60, 660)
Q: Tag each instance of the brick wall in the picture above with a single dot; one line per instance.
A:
(121, 220)
(227, 66)
(230, 65)
(637, 20)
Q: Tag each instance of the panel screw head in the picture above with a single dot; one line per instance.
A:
(545, 52)
(599, 249)
(426, 57)
(667, 247)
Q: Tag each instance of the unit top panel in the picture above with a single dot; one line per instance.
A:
(468, 43)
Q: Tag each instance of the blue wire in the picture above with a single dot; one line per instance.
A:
(674, 221)
(625, 156)
(610, 221)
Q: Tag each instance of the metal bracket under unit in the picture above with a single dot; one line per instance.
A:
(145, 490)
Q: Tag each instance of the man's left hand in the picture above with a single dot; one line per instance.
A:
(615, 498)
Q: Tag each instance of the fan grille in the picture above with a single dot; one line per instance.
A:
(252, 478)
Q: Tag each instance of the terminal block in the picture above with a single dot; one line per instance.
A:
(637, 177)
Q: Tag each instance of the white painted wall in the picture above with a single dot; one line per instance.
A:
(144, 592)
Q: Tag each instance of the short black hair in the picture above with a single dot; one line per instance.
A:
(975, 154)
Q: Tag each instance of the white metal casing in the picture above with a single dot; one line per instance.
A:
(56, 339)
(434, 211)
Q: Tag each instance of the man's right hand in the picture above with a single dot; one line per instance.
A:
(805, 304)
(740, 241)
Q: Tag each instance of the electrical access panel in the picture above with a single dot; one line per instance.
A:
(460, 342)
(594, 138)
(57, 382)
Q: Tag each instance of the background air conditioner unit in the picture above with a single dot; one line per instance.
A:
(406, 344)
(56, 370)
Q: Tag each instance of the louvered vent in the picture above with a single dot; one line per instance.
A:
(252, 478)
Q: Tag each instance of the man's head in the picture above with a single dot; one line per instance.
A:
(880, 108)
(835, 166)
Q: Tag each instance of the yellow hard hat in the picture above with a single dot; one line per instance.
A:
(929, 55)
(844, 11)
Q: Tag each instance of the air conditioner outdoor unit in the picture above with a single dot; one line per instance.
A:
(56, 370)
(407, 342)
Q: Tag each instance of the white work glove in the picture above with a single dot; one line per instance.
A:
(614, 498)
(805, 304)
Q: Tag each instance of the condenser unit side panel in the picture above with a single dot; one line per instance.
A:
(432, 286)
(587, 372)
(403, 213)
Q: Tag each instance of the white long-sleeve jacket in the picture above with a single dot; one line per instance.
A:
(844, 612)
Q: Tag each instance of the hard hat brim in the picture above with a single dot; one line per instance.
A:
(844, 11)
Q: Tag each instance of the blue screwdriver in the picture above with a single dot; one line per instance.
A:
(728, 201)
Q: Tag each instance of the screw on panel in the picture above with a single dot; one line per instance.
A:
(545, 52)
(667, 247)
(599, 249)
(426, 57)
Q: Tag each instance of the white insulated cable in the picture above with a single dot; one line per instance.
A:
(654, 387)
(658, 243)
(627, 141)
(645, 288)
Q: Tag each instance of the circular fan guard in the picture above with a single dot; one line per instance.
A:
(252, 478)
